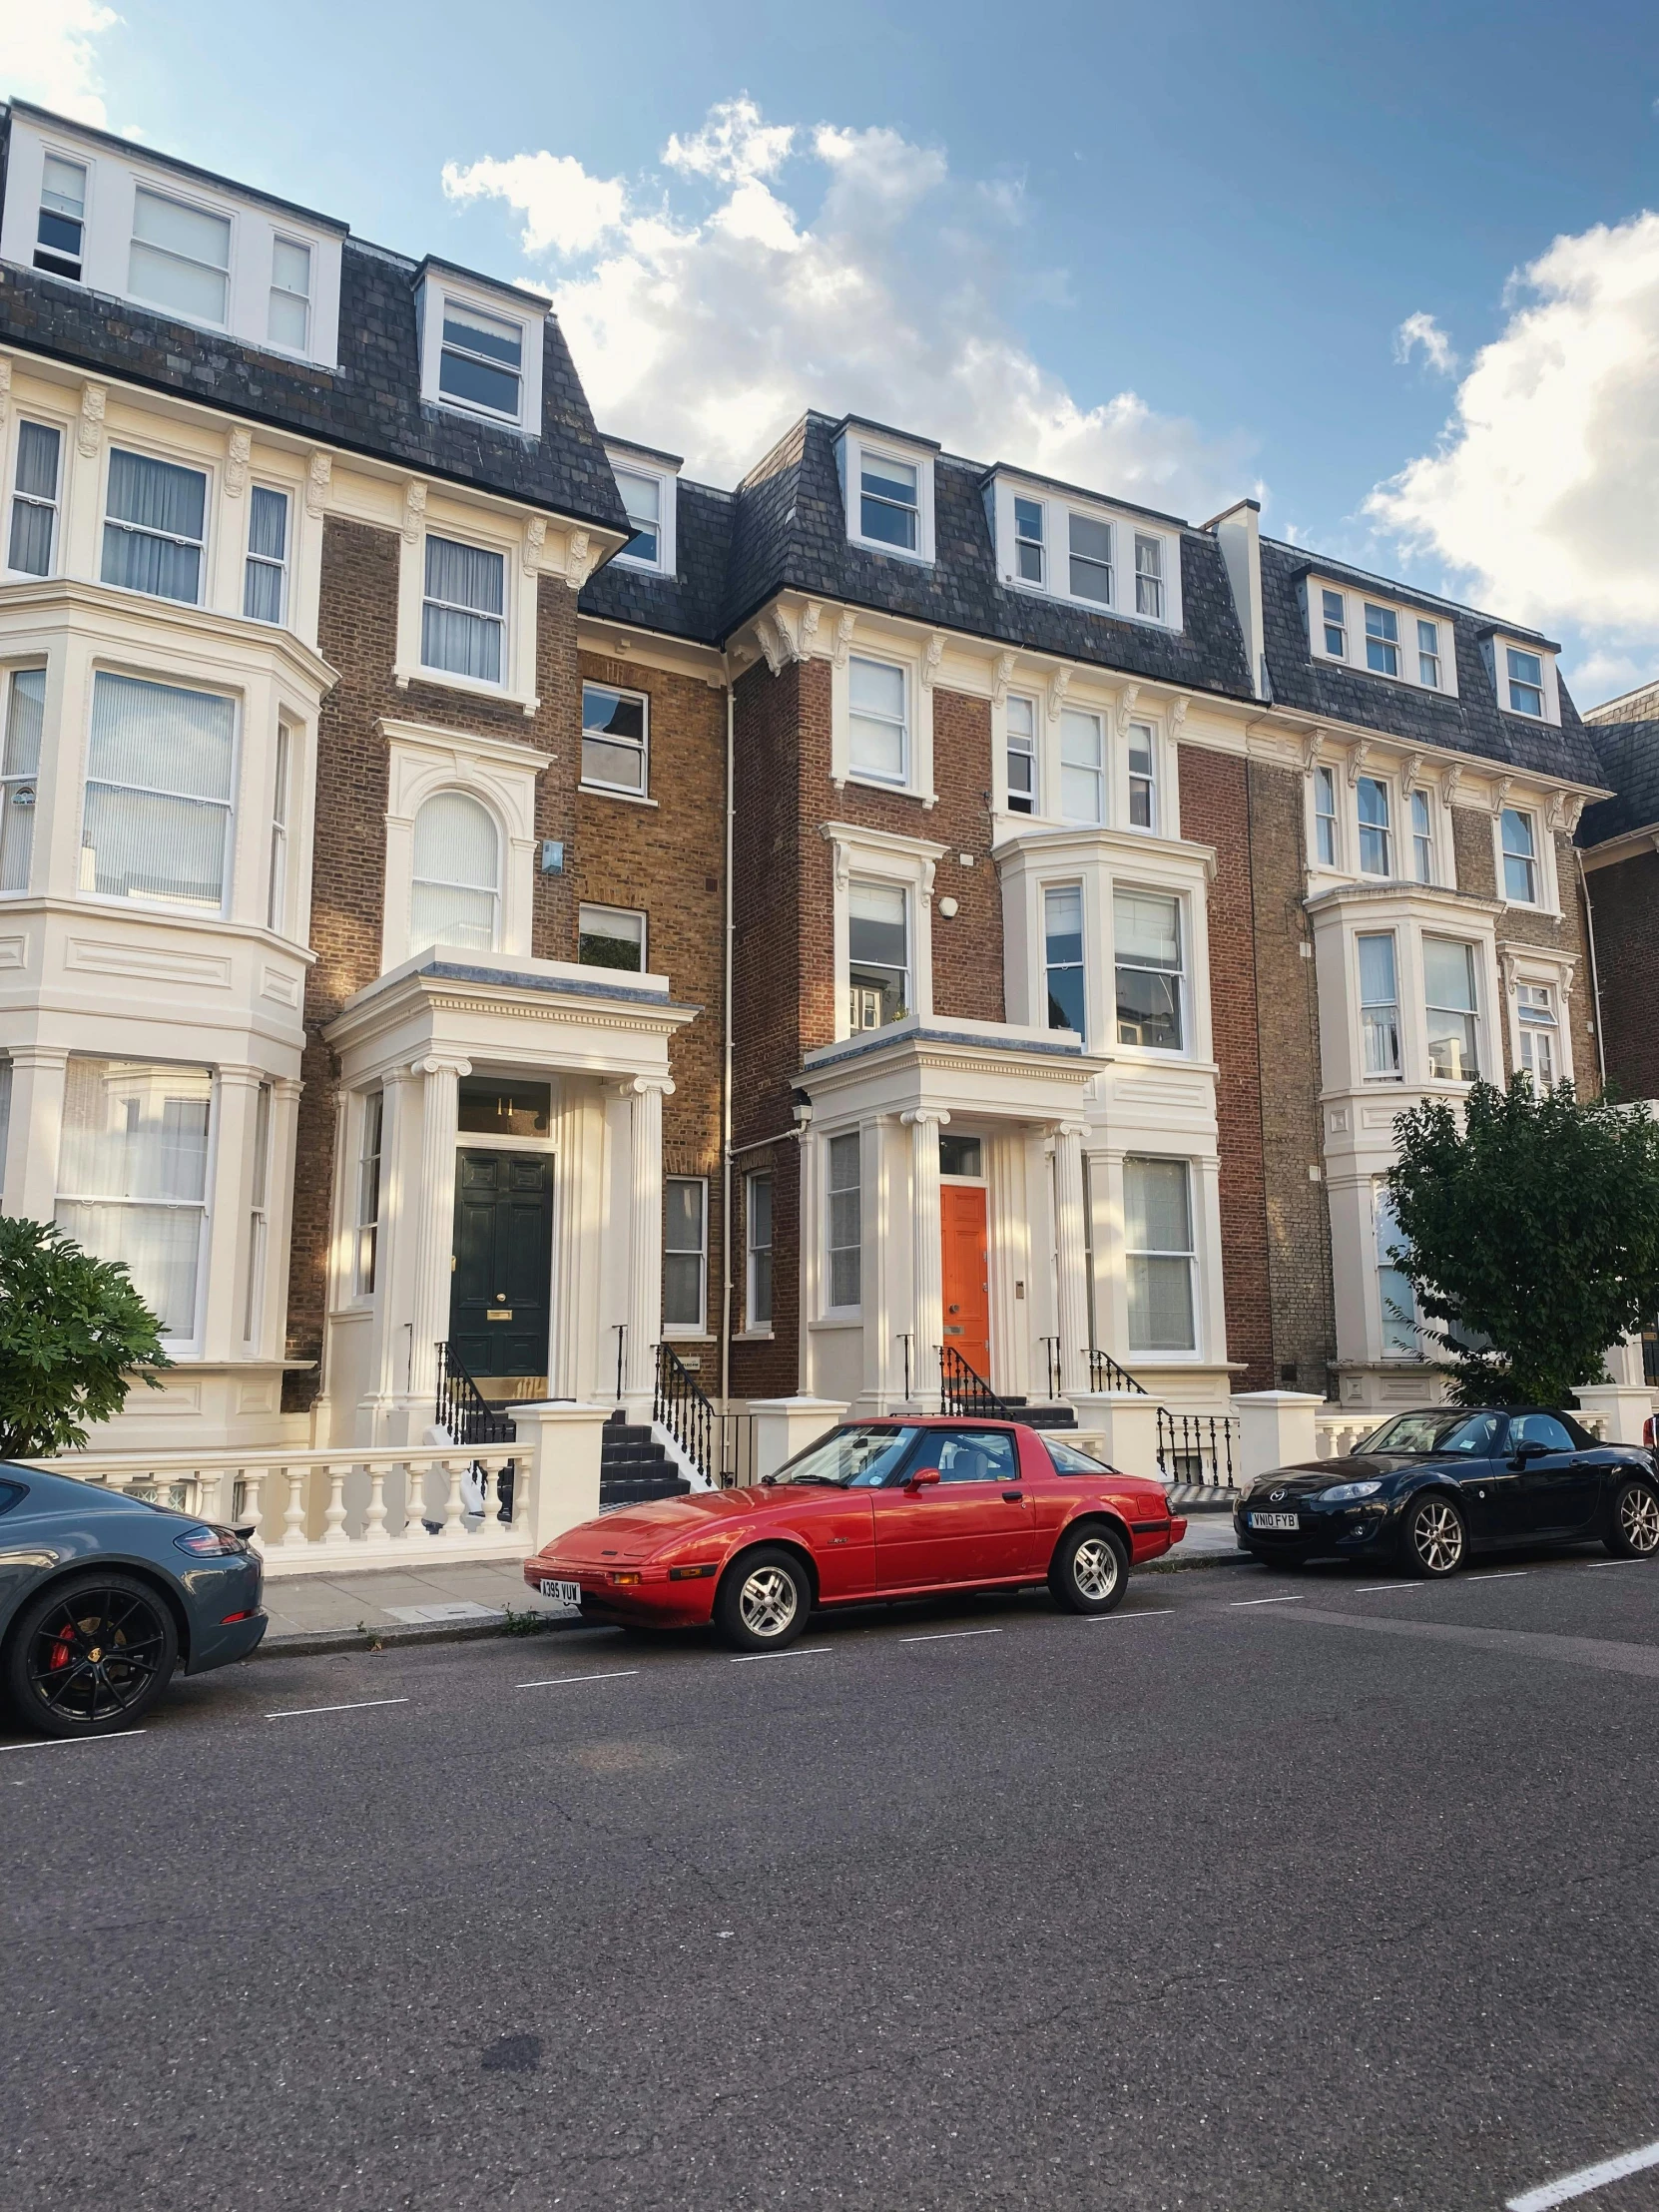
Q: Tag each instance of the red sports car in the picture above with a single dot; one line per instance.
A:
(877, 1510)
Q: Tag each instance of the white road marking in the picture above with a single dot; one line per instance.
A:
(1510, 1575)
(557, 1681)
(949, 1635)
(1237, 1601)
(1370, 1589)
(1587, 2178)
(301, 1711)
(1146, 1613)
(801, 1651)
(68, 1743)
(1615, 1562)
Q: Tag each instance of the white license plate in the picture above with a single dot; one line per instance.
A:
(1257, 1521)
(564, 1593)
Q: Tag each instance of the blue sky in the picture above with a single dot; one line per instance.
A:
(1170, 252)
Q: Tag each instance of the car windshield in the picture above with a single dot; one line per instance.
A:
(1440, 1430)
(850, 1458)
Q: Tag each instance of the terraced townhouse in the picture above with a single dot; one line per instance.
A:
(480, 912)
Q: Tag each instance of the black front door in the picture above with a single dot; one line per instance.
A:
(502, 1280)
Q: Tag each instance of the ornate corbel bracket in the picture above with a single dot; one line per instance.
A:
(1178, 713)
(415, 510)
(1126, 700)
(1410, 773)
(928, 870)
(1452, 781)
(580, 557)
(1311, 743)
(317, 474)
(845, 621)
(931, 658)
(1058, 685)
(810, 616)
(1359, 760)
(535, 541)
(1501, 794)
(5, 391)
(89, 431)
(238, 446)
(1001, 676)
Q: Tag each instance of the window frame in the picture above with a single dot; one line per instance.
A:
(1369, 1074)
(906, 737)
(650, 468)
(142, 188)
(368, 1181)
(1531, 859)
(496, 893)
(434, 670)
(1025, 541)
(853, 443)
(1146, 780)
(1080, 966)
(1101, 818)
(1534, 1028)
(1420, 804)
(1034, 798)
(1427, 653)
(282, 797)
(595, 783)
(869, 878)
(757, 1324)
(259, 1212)
(204, 546)
(1383, 639)
(53, 506)
(1356, 638)
(586, 909)
(1513, 683)
(855, 1190)
(1381, 1213)
(21, 779)
(457, 402)
(1472, 1013)
(1160, 1353)
(1126, 531)
(302, 351)
(50, 153)
(1180, 975)
(227, 807)
(252, 560)
(1323, 777)
(1385, 829)
(1145, 539)
(682, 1329)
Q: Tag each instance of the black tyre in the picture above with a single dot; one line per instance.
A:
(1434, 1537)
(763, 1600)
(1633, 1525)
(90, 1656)
(1090, 1569)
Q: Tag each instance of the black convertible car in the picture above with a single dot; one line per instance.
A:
(103, 1597)
(1426, 1489)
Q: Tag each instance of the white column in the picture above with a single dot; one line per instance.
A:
(235, 1100)
(285, 1131)
(926, 1260)
(387, 1366)
(30, 1180)
(434, 1209)
(1072, 1319)
(645, 1096)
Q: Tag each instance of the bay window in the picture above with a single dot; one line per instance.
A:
(1521, 858)
(878, 954)
(1449, 991)
(1063, 957)
(758, 1239)
(155, 527)
(1146, 929)
(843, 1225)
(1375, 840)
(1380, 1007)
(35, 489)
(1158, 1254)
(879, 727)
(1022, 754)
(463, 615)
(455, 893)
(1082, 767)
(19, 767)
(161, 766)
(685, 1254)
(133, 1176)
(615, 739)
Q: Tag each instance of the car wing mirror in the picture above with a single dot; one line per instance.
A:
(1522, 1452)
(922, 1477)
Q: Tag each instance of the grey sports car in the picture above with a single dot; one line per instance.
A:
(103, 1596)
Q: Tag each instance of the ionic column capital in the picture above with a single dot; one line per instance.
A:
(441, 1063)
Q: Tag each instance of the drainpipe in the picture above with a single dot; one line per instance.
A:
(725, 1087)
(1595, 979)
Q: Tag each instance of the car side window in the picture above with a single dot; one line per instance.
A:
(11, 1493)
(1539, 1428)
(970, 1456)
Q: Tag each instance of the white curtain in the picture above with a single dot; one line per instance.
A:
(132, 1175)
(1157, 1242)
(876, 697)
(153, 505)
(462, 619)
(458, 874)
(178, 257)
(19, 765)
(158, 779)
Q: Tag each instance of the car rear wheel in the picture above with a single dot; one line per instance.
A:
(1434, 1536)
(1090, 1570)
(91, 1656)
(1633, 1531)
(763, 1600)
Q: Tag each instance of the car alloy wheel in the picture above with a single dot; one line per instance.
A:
(92, 1656)
(1095, 1568)
(763, 1600)
(1635, 1522)
(1090, 1569)
(1434, 1536)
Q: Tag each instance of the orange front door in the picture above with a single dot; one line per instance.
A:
(967, 1301)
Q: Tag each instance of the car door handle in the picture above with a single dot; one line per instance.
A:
(1013, 1497)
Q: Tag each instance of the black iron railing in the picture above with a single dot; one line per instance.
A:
(463, 1409)
(1196, 1448)
(1106, 1374)
(962, 1390)
(685, 1410)
(1056, 1373)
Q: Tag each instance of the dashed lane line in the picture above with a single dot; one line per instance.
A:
(1234, 1603)
(303, 1712)
(1509, 1574)
(1587, 2178)
(72, 1743)
(558, 1681)
(949, 1635)
(1142, 1613)
(801, 1651)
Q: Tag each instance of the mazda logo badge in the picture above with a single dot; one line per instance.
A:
(1274, 1496)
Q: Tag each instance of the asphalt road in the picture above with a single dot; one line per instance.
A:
(1267, 1891)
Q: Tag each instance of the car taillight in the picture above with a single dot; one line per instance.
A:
(210, 1542)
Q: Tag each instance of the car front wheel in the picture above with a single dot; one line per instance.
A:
(91, 1656)
(1434, 1536)
(1633, 1532)
(763, 1602)
(1090, 1570)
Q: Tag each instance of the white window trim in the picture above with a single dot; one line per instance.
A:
(435, 288)
(1548, 901)
(284, 492)
(1401, 788)
(1155, 1055)
(44, 418)
(356, 1295)
(1481, 1011)
(919, 707)
(279, 236)
(1409, 913)
(1169, 1356)
(1123, 779)
(878, 856)
(751, 1326)
(666, 476)
(1001, 802)
(1125, 526)
(501, 776)
(850, 447)
(588, 907)
(1355, 599)
(232, 806)
(1557, 971)
(642, 797)
(1500, 643)
(827, 1310)
(1062, 883)
(199, 464)
(681, 1329)
(181, 196)
(491, 533)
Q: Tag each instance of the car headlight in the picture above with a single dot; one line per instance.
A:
(210, 1542)
(1346, 1492)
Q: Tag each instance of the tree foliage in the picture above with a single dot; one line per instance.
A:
(1532, 1224)
(74, 1333)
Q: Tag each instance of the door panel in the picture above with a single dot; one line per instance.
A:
(503, 1262)
(1557, 1493)
(966, 1275)
(958, 1530)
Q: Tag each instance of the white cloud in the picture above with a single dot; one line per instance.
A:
(1545, 486)
(1421, 330)
(47, 51)
(708, 328)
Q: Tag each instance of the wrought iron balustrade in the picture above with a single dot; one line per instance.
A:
(685, 1410)
(1106, 1374)
(1196, 1449)
(962, 1390)
(464, 1409)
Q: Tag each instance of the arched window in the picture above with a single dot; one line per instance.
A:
(456, 893)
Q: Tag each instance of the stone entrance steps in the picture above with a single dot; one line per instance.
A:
(1041, 1416)
(634, 1469)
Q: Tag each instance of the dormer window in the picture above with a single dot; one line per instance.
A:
(1028, 541)
(889, 504)
(289, 318)
(1149, 576)
(648, 485)
(642, 496)
(60, 234)
(179, 257)
(1428, 654)
(1381, 640)
(1335, 624)
(1526, 681)
(887, 483)
(1115, 564)
(1399, 644)
(1091, 559)
(483, 362)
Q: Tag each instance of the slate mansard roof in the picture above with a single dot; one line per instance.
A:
(370, 403)
(1629, 753)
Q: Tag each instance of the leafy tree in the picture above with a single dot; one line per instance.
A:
(73, 1335)
(1533, 1226)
